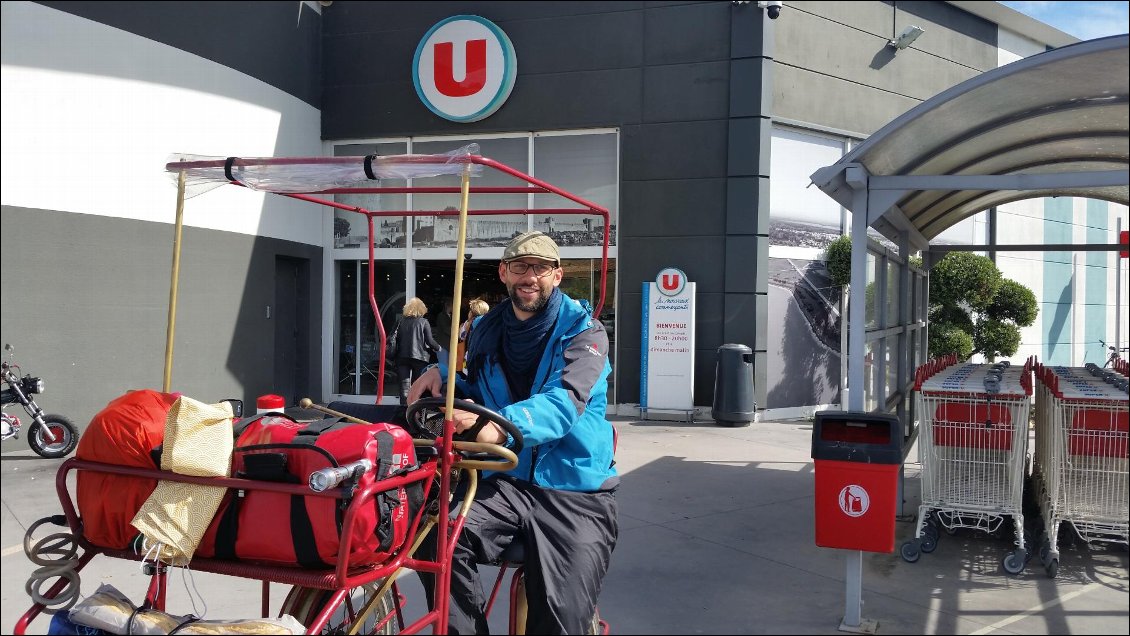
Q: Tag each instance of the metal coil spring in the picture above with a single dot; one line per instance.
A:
(57, 556)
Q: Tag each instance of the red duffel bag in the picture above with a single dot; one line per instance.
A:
(303, 530)
(124, 433)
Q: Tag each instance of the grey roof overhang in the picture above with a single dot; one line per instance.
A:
(1053, 124)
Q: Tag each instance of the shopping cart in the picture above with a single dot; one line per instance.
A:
(1080, 459)
(974, 445)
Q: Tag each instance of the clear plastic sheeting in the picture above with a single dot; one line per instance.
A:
(314, 174)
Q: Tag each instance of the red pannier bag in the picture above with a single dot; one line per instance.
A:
(125, 433)
(302, 530)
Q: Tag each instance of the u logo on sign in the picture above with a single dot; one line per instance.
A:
(464, 68)
(671, 281)
(474, 75)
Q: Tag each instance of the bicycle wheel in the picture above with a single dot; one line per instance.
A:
(305, 603)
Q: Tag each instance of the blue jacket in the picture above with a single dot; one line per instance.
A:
(568, 443)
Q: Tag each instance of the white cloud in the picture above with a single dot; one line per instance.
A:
(1084, 20)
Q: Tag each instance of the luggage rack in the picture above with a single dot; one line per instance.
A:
(329, 578)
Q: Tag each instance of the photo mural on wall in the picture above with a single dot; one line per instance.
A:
(803, 351)
(804, 361)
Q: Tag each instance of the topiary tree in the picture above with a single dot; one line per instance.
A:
(964, 278)
(969, 296)
(996, 336)
(950, 339)
(1013, 302)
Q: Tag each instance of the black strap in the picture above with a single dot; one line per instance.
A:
(238, 429)
(298, 443)
(472, 434)
(185, 623)
(385, 442)
(228, 529)
(302, 534)
(369, 167)
(309, 434)
(301, 528)
(133, 615)
(227, 168)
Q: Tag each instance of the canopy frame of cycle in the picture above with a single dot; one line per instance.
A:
(313, 178)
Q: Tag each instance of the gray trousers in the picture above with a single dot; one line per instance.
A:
(568, 539)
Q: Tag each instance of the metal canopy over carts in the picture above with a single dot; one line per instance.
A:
(1053, 124)
(340, 597)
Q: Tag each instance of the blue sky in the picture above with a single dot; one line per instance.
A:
(1084, 20)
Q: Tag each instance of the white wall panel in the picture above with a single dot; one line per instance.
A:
(1018, 223)
(91, 113)
(1013, 46)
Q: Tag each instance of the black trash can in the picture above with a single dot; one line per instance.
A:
(733, 386)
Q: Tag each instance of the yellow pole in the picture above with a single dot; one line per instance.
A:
(457, 299)
(172, 324)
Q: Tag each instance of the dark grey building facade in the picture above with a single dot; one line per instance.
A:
(694, 93)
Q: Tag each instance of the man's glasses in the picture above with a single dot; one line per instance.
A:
(521, 269)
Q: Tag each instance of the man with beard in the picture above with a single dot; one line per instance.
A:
(541, 361)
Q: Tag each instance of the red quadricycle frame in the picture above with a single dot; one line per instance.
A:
(353, 599)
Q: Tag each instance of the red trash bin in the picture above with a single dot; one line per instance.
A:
(857, 458)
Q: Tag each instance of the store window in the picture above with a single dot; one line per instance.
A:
(588, 165)
(356, 338)
(482, 231)
(581, 281)
(350, 228)
(414, 253)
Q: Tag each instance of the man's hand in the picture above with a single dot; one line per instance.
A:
(490, 434)
(430, 382)
(464, 420)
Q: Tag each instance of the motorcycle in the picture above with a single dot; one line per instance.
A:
(49, 435)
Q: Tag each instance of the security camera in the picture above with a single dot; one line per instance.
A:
(772, 9)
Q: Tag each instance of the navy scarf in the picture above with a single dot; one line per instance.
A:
(519, 344)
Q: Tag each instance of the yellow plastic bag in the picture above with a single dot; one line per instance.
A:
(198, 441)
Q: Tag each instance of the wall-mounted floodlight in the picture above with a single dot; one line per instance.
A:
(906, 38)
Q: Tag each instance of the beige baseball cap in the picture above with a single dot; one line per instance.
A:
(532, 244)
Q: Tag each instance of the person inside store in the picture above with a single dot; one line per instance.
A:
(443, 328)
(413, 345)
(541, 361)
(477, 307)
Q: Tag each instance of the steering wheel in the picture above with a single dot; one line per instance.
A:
(427, 414)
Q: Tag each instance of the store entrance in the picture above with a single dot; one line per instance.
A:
(435, 284)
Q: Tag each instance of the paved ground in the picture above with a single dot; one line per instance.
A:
(716, 537)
